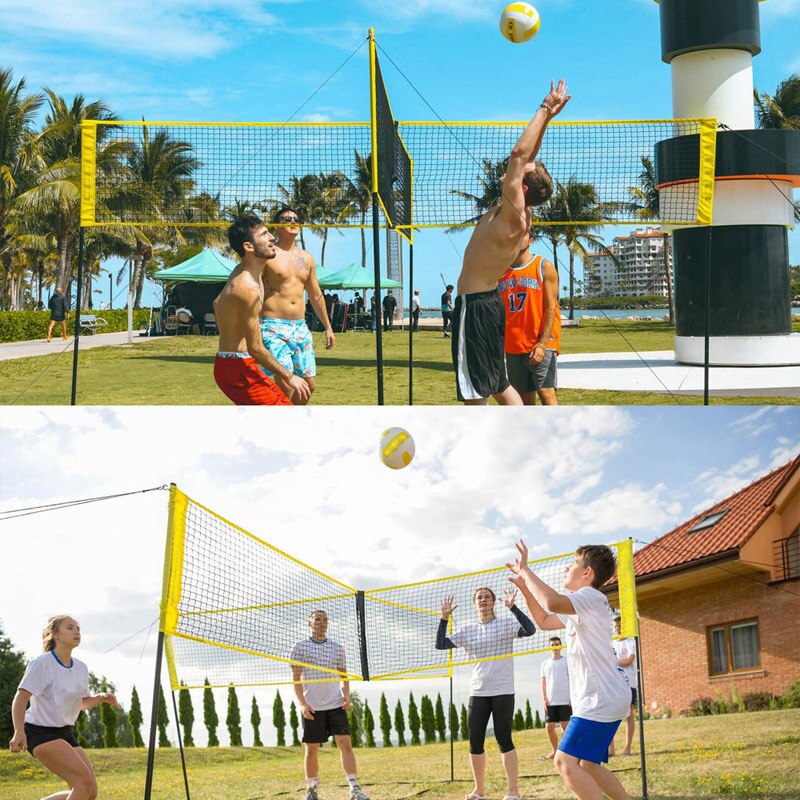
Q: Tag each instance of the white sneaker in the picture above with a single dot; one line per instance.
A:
(311, 794)
(357, 793)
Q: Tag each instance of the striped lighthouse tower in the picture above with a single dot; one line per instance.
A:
(742, 261)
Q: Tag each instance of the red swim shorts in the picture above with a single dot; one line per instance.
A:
(240, 379)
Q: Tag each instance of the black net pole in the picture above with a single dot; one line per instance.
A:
(640, 709)
(180, 745)
(411, 325)
(151, 745)
(376, 246)
(77, 319)
(450, 720)
(362, 635)
(707, 323)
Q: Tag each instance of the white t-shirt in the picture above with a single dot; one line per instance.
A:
(555, 672)
(327, 695)
(56, 691)
(624, 648)
(484, 640)
(598, 688)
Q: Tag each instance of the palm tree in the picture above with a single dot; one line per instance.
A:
(492, 188)
(646, 207)
(574, 207)
(782, 110)
(358, 194)
(301, 195)
(17, 137)
(331, 206)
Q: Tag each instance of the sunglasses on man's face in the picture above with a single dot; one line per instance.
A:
(288, 219)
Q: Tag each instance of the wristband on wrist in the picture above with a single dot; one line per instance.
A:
(548, 107)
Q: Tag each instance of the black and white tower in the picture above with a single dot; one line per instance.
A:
(709, 45)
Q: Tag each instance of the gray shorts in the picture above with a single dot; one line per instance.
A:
(526, 377)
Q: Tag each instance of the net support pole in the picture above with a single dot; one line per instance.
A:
(180, 745)
(411, 329)
(76, 342)
(450, 725)
(640, 709)
(376, 246)
(362, 635)
(707, 322)
(151, 745)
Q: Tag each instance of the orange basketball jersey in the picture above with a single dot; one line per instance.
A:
(522, 289)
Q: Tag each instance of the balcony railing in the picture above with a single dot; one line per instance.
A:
(786, 555)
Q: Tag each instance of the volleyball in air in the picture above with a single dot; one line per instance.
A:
(519, 22)
(396, 448)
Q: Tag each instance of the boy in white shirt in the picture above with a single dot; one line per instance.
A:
(598, 689)
(555, 693)
(626, 658)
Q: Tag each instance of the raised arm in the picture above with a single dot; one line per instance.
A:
(535, 589)
(443, 641)
(526, 626)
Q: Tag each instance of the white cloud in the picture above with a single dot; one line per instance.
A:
(717, 484)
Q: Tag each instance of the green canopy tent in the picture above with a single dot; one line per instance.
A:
(356, 277)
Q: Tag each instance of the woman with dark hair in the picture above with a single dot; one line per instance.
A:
(57, 686)
(489, 642)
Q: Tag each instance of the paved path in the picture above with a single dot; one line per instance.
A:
(652, 372)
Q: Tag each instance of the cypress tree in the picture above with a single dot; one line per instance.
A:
(519, 720)
(528, 716)
(427, 719)
(537, 722)
(355, 730)
(110, 720)
(413, 719)
(210, 718)
(255, 721)
(80, 729)
(162, 720)
(464, 723)
(233, 720)
(400, 725)
(186, 716)
(135, 718)
(294, 723)
(385, 722)
(279, 719)
(441, 723)
(369, 725)
(453, 723)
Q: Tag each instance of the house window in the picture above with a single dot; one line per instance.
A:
(733, 647)
(707, 522)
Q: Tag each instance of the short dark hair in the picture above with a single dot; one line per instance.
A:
(282, 210)
(241, 231)
(538, 185)
(449, 286)
(601, 559)
(555, 639)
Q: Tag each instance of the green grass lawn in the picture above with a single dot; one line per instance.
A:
(755, 755)
(178, 371)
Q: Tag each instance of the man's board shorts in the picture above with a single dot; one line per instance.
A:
(290, 342)
(325, 723)
(558, 713)
(41, 734)
(240, 379)
(588, 740)
(526, 377)
(479, 325)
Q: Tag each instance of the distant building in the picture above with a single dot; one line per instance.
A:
(637, 270)
(719, 598)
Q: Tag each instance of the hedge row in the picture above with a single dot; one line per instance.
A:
(753, 701)
(25, 326)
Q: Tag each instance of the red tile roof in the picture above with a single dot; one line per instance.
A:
(746, 511)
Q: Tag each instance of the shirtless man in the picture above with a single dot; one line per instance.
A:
(283, 325)
(236, 309)
(478, 316)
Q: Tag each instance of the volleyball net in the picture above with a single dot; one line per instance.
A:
(429, 174)
(234, 607)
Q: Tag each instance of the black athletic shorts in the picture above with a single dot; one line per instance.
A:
(558, 713)
(325, 723)
(634, 696)
(479, 353)
(41, 734)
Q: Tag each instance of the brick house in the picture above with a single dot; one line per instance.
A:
(719, 598)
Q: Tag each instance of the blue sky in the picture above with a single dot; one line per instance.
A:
(318, 491)
(260, 60)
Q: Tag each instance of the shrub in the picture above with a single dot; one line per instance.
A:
(701, 707)
(26, 326)
(791, 697)
(736, 703)
(757, 701)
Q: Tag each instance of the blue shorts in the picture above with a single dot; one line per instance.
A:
(588, 740)
(289, 341)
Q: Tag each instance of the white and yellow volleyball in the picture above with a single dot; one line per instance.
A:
(396, 448)
(519, 22)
